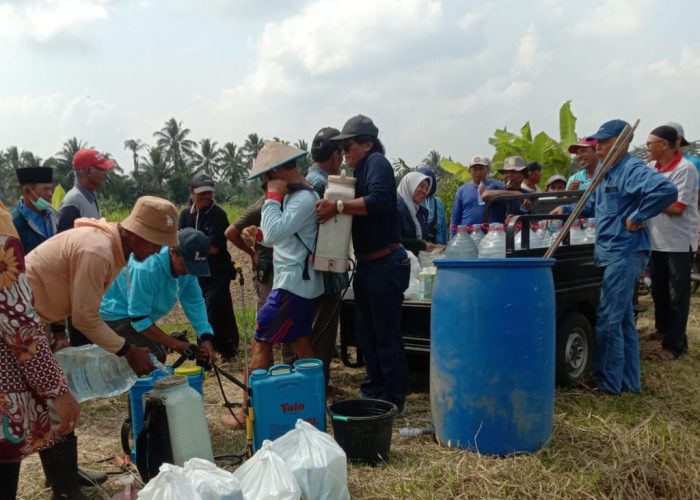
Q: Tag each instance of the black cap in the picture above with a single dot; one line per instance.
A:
(194, 248)
(202, 182)
(357, 125)
(323, 138)
(667, 133)
(34, 175)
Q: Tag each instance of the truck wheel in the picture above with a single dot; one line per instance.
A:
(575, 343)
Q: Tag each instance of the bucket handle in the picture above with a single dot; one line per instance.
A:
(280, 368)
(333, 416)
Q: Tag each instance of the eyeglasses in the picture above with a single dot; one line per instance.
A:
(649, 143)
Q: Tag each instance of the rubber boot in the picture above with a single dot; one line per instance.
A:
(60, 464)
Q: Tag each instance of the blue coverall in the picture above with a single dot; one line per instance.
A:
(629, 190)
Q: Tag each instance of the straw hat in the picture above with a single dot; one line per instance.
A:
(153, 219)
(272, 155)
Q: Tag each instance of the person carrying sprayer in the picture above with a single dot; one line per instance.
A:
(628, 196)
(383, 269)
(289, 226)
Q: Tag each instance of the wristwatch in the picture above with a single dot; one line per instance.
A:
(339, 207)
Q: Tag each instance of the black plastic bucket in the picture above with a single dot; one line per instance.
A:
(363, 427)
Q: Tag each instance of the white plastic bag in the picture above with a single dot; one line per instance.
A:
(317, 462)
(171, 483)
(266, 477)
(412, 291)
(211, 482)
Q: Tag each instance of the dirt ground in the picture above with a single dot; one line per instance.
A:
(634, 446)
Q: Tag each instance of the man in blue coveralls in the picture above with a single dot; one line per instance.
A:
(630, 194)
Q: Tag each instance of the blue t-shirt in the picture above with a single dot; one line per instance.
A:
(695, 161)
(466, 210)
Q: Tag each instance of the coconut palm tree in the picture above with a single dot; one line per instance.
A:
(233, 169)
(135, 145)
(208, 159)
(172, 139)
(305, 161)
(155, 171)
(432, 161)
(252, 145)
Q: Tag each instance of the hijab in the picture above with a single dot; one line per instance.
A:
(407, 187)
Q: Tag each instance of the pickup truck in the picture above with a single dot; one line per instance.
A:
(577, 289)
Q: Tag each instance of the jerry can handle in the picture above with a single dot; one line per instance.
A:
(280, 368)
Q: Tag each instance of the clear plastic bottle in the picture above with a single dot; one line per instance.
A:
(92, 372)
(576, 235)
(493, 246)
(478, 193)
(538, 236)
(476, 234)
(589, 233)
(553, 230)
(461, 246)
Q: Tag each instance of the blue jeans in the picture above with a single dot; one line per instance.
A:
(616, 360)
(379, 287)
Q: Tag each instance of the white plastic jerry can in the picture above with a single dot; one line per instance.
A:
(187, 422)
(333, 241)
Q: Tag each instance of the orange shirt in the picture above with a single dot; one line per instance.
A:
(71, 271)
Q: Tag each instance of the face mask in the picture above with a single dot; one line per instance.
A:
(41, 204)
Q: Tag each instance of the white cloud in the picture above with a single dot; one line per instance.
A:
(473, 16)
(43, 20)
(41, 123)
(613, 18)
(526, 55)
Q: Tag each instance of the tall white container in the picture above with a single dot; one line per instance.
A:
(334, 235)
(187, 422)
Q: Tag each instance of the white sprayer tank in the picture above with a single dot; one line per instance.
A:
(333, 241)
(187, 422)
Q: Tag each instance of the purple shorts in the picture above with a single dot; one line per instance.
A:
(284, 318)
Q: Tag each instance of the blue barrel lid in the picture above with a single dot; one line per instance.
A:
(500, 263)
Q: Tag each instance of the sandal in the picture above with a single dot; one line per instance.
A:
(657, 336)
(661, 355)
(234, 422)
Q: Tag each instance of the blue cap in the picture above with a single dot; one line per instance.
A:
(609, 129)
(425, 170)
(194, 248)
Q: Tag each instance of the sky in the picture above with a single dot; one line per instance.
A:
(432, 74)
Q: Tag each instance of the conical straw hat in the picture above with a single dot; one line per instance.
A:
(272, 155)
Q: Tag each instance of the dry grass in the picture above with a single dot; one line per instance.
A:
(634, 446)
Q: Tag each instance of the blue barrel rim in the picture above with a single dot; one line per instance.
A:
(521, 262)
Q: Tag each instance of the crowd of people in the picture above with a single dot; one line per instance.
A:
(68, 277)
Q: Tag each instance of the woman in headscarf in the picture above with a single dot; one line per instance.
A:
(437, 221)
(30, 377)
(413, 216)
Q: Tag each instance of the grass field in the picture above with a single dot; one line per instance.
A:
(633, 446)
(116, 214)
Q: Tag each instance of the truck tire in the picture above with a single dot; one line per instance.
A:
(575, 346)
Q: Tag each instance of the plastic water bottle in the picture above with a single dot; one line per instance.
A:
(92, 372)
(493, 246)
(589, 233)
(478, 193)
(553, 229)
(576, 236)
(475, 233)
(461, 246)
(538, 236)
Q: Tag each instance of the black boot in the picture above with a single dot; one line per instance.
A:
(60, 464)
(91, 477)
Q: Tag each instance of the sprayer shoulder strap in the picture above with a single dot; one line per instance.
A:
(305, 274)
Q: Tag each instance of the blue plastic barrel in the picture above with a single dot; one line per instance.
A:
(282, 394)
(492, 354)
